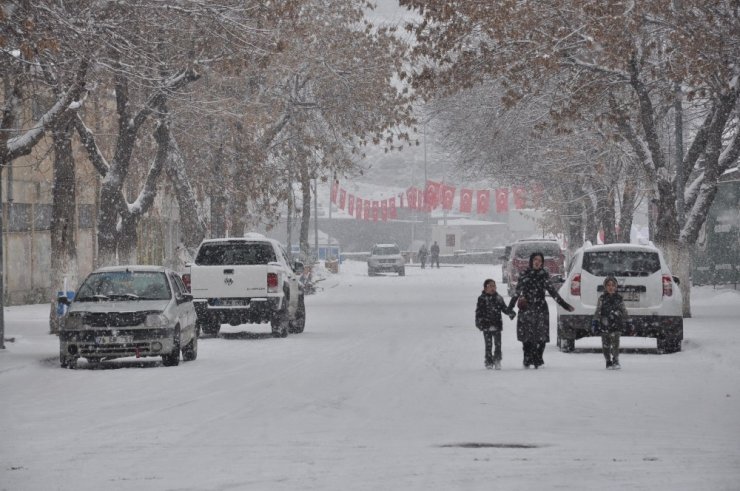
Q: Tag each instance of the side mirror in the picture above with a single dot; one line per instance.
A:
(63, 300)
(676, 280)
(187, 297)
(298, 267)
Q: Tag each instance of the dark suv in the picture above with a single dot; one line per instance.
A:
(518, 259)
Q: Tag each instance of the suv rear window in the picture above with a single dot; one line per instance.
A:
(523, 251)
(621, 263)
(386, 251)
(235, 253)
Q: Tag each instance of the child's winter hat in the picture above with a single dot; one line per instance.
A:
(610, 278)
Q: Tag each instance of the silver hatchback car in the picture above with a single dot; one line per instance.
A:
(124, 311)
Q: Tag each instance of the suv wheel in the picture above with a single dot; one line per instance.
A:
(190, 350)
(668, 344)
(68, 362)
(172, 359)
(402, 272)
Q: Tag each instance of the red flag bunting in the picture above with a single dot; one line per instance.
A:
(358, 208)
(520, 197)
(466, 200)
(392, 212)
(502, 200)
(334, 190)
(351, 205)
(376, 210)
(412, 195)
(342, 198)
(384, 210)
(448, 196)
(368, 206)
(483, 198)
(431, 195)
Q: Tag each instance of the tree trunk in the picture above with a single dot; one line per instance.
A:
(63, 220)
(627, 209)
(591, 231)
(305, 215)
(217, 192)
(191, 222)
(605, 205)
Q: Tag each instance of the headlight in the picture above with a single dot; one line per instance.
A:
(73, 321)
(156, 320)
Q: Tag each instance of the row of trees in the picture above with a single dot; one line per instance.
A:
(231, 102)
(610, 101)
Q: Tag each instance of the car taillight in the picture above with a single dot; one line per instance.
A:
(667, 286)
(575, 285)
(272, 282)
(186, 281)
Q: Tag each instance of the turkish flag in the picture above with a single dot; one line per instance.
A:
(358, 208)
(520, 197)
(376, 210)
(466, 200)
(392, 212)
(384, 210)
(431, 195)
(368, 209)
(342, 198)
(502, 200)
(351, 205)
(412, 195)
(483, 198)
(400, 200)
(334, 190)
(448, 196)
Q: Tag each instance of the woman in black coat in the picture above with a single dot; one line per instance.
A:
(533, 321)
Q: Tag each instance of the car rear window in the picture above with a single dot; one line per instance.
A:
(549, 250)
(386, 251)
(621, 263)
(235, 253)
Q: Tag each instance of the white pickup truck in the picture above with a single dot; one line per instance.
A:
(247, 280)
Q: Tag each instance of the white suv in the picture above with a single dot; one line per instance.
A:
(650, 292)
(386, 258)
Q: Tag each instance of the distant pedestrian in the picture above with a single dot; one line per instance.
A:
(423, 253)
(488, 321)
(609, 320)
(533, 323)
(435, 255)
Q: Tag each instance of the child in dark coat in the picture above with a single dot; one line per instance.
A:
(609, 320)
(488, 320)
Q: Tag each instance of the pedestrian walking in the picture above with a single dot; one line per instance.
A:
(609, 320)
(435, 255)
(488, 321)
(533, 321)
(423, 253)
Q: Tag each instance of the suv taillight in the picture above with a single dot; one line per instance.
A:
(575, 285)
(186, 280)
(272, 282)
(667, 286)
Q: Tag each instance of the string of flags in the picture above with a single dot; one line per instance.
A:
(435, 195)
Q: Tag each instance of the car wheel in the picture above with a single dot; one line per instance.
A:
(370, 272)
(402, 272)
(299, 323)
(209, 326)
(668, 345)
(280, 321)
(566, 345)
(172, 359)
(68, 362)
(190, 351)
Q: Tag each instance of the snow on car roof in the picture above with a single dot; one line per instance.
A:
(131, 267)
(621, 246)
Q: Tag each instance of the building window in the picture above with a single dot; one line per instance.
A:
(450, 240)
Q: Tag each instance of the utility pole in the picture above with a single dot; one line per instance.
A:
(2, 263)
(316, 215)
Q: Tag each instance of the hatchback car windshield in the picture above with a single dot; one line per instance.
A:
(621, 263)
(124, 285)
(386, 251)
(235, 253)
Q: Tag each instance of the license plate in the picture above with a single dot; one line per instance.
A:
(631, 296)
(114, 339)
(233, 302)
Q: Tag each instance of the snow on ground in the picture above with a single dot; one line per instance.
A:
(385, 390)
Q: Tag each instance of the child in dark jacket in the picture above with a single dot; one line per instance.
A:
(488, 320)
(609, 320)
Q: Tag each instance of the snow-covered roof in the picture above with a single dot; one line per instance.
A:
(139, 268)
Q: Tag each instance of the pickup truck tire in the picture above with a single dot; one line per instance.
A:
(172, 359)
(280, 322)
(299, 323)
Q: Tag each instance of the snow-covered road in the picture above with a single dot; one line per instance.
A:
(385, 390)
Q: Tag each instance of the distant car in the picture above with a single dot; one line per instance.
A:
(518, 260)
(125, 311)
(386, 258)
(651, 294)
